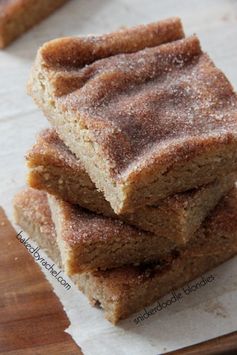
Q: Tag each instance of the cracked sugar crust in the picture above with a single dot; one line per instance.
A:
(146, 124)
(136, 105)
(76, 52)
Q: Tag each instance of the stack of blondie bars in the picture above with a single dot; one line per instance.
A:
(132, 191)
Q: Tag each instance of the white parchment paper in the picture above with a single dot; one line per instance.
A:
(209, 311)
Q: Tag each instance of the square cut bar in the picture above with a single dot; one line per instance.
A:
(17, 16)
(126, 290)
(88, 241)
(145, 122)
(53, 168)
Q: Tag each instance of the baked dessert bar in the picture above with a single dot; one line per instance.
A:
(89, 242)
(17, 16)
(31, 210)
(145, 122)
(125, 290)
(53, 168)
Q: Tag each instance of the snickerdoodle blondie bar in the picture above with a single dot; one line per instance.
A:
(53, 168)
(17, 16)
(88, 241)
(125, 290)
(146, 119)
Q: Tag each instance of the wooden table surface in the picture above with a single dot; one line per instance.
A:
(32, 320)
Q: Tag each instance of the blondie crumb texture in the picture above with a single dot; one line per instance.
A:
(145, 122)
(31, 211)
(17, 16)
(53, 168)
(126, 290)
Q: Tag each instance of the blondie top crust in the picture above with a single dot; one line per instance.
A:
(146, 124)
(17, 16)
(126, 290)
(53, 168)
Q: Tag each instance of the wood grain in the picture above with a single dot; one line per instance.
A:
(226, 344)
(32, 320)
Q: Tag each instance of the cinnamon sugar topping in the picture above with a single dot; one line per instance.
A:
(137, 103)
